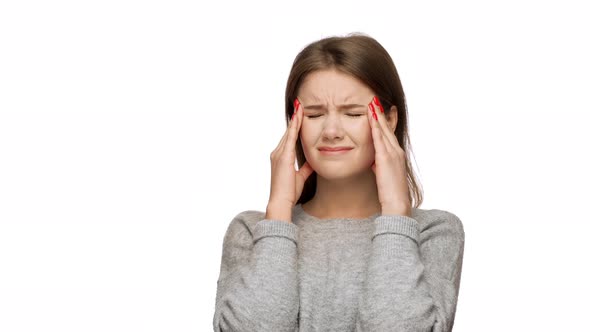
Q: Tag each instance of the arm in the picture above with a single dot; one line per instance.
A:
(413, 278)
(257, 285)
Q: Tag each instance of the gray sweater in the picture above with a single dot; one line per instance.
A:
(383, 273)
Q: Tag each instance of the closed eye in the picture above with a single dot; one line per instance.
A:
(352, 115)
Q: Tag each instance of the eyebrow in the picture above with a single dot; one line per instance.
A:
(345, 106)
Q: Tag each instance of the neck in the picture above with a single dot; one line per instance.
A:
(355, 197)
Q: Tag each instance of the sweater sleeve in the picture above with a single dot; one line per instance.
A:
(257, 287)
(413, 277)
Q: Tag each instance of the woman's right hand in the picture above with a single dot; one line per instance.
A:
(286, 183)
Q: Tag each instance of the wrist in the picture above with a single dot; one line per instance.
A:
(280, 212)
(397, 210)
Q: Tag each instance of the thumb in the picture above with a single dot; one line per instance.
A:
(305, 171)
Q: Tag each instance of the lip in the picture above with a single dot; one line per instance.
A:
(334, 151)
(339, 148)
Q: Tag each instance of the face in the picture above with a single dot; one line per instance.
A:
(335, 114)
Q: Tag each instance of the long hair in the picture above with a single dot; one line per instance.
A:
(364, 58)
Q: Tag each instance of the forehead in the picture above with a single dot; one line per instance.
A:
(331, 84)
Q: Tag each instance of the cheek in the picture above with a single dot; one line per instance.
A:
(305, 137)
(360, 127)
(308, 131)
(362, 130)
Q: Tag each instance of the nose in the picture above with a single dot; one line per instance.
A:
(332, 126)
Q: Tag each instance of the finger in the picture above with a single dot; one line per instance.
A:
(302, 174)
(292, 132)
(299, 115)
(298, 119)
(289, 125)
(387, 132)
(372, 123)
(376, 134)
(305, 170)
(380, 141)
(285, 134)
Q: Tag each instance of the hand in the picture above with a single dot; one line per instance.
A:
(389, 166)
(286, 183)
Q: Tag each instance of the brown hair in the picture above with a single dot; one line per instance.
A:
(364, 58)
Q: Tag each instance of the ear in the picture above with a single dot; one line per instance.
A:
(392, 118)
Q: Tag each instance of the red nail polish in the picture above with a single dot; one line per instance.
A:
(376, 99)
(296, 104)
(373, 110)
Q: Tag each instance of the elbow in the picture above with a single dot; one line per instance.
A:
(227, 319)
(430, 322)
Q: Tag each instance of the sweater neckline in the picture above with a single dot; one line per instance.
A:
(299, 209)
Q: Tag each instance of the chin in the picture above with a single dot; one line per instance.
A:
(337, 172)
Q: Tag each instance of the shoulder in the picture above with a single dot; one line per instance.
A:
(247, 219)
(439, 222)
(243, 223)
(249, 226)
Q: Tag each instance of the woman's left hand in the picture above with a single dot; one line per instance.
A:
(389, 166)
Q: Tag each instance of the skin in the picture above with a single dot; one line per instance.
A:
(370, 178)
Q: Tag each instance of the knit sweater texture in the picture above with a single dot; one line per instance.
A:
(382, 273)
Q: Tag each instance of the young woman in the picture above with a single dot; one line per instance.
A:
(343, 245)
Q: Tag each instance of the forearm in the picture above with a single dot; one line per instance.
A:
(262, 295)
(397, 294)
(278, 212)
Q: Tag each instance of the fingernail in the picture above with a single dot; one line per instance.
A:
(376, 99)
(295, 106)
(373, 110)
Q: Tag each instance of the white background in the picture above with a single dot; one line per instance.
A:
(132, 132)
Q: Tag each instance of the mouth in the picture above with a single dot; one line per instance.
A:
(334, 151)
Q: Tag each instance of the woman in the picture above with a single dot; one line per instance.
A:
(343, 245)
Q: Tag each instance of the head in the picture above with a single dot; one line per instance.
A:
(347, 70)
